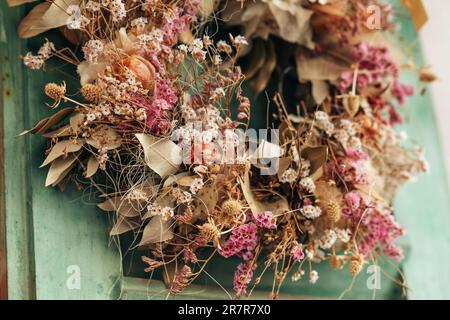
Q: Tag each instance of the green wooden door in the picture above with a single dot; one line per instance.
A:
(55, 239)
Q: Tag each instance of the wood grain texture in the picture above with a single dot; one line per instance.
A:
(19, 227)
(51, 236)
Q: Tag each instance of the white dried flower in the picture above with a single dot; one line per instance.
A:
(313, 276)
(92, 50)
(308, 185)
(289, 176)
(311, 212)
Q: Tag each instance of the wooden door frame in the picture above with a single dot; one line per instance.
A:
(3, 255)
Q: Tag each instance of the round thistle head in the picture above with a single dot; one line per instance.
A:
(209, 232)
(54, 91)
(91, 92)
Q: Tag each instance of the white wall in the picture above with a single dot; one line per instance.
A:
(435, 37)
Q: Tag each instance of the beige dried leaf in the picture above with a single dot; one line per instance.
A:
(320, 90)
(293, 22)
(125, 224)
(13, 3)
(255, 206)
(60, 168)
(169, 273)
(92, 166)
(104, 137)
(63, 148)
(45, 124)
(156, 230)
(45, 16)
(123, 207)
(317, 156)
(161, 155)
(319, 68)
(174, 178)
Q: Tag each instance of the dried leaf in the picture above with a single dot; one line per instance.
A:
(45, 124)
(13, 3)
(320, 90)
(92, 166)
(156, 230)
(316, 156)
(59, 168)
(293, 22)
(123, 207)
(104, 137)
(256, 59)
(204, 202)
(319, 68)
(45, 16)
(125, 224)
(161, 155)
(255, 206)
(63, 148)
(263, 77)
(62, 132)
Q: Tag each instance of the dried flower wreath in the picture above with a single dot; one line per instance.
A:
(152, 70)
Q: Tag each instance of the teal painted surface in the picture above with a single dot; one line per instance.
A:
(423, 207)
(51, 236)
(49, 231)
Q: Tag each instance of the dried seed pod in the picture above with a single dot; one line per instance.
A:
(56, 92)
(91, 92)
(209, 232)
(356, 264)
(427, 76)
(351, 104)
(334, 211)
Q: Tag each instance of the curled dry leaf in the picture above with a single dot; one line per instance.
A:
(92, 166)
(125, 224)
(156, 230)
(104, 137)
(45, 124)
(45, 16)
(60, 168)
(265, 73)
(317, 156)
(123, 207)
(63, 148)
(256, 58)
(319, 68)
(161, 155)
(255, 206)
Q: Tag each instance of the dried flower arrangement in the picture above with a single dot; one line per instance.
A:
(158, 87)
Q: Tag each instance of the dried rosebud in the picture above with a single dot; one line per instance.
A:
(143, 70)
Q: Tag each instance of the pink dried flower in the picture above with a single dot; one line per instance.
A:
(296, 252)
(266, 220)
(242, 277)
(241, 243)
